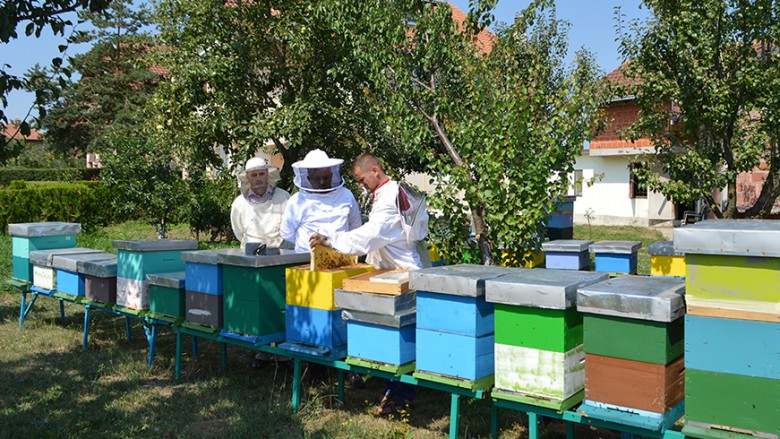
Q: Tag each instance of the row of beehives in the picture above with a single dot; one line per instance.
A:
(623, 345)
(534, 345)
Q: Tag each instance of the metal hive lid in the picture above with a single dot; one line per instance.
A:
(459, 280)
(615, 247)
(653, 298)
(541, 288)
(566, 245)
(155, 245)
(43, 229)
(730, 237)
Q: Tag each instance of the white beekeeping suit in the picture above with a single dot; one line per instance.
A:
(257, 217)
(322, 204)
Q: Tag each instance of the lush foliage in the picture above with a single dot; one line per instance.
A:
(82, 202)
(208, 210)
(706, 76)
(116, 78)
(252, 75)
(147, 181)
(35, 16)
(499, 129)
(8, 175)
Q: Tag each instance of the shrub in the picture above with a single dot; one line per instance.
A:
(7, 175)
(86, 203)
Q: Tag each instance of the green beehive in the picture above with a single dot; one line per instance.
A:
(556, 330)
(632, 339)
(254, 291)
(166, 294)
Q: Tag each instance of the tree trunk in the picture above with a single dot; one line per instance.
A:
(483, 242)
(731, 209)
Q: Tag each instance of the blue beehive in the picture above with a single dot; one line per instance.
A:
(379, 343)
(454, 322)
(616, 256)
(70, 276)
(203, 273)
(567, 254)
(27, 237)
(315, 327)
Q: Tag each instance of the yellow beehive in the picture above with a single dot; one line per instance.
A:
(314, 289)
(665, 260)
(528, 260)
(667, 266)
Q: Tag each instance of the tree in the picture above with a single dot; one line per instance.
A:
(244, 74)
(146, 180)
(116, 79)
(500, 130)
(37, 16)
(706, 76)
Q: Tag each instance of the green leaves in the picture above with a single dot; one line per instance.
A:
(701, 83)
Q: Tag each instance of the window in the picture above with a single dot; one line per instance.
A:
(637, 187)
(578, 182)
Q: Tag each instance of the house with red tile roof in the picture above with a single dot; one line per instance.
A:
(614, 195)
(13, 131)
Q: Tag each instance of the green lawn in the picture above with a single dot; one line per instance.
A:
(53, 388)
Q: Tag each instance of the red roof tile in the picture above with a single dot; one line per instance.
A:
(12, 130)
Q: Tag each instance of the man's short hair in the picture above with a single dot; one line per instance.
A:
(366, 160)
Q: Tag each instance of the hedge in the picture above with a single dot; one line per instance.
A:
(87, 203)
(7, 175)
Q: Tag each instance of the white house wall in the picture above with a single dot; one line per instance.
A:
(606, 201)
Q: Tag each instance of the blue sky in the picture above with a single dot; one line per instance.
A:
(592, 26)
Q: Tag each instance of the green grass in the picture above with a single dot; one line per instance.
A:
(622, 233)
(50, 387)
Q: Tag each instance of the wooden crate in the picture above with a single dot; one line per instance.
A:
(636, 384)
(633, 339)
(555, 376)
(314, 289)
(362, 283)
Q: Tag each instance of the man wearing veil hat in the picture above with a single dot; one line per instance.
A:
(256, 214)
(321, 204)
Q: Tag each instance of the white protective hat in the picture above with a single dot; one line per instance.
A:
(317, 159)
(254, 164)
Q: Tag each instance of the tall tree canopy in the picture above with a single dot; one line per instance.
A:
(706, 76)
(243, 74)
(35, 16)
(500, 129)
(116, 79)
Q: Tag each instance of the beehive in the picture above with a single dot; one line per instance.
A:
(665, 260)
(634, 348)
(539, 355)
(616, 256)
(567, 254)
(27, 237)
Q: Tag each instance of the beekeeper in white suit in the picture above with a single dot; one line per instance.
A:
(321, 204)
(384, 238)
(256, 214)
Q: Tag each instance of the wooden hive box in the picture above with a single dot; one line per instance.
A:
(314, 289)
(732, 268)
(454, 355)
(100, 279)
(567, 254)
(203, 309)
(665, 260)
(71, 279)
(202, 277)
(254, 291)
(167, 296)
(635, 384)
(381, 344)
(315, 327)
(616, 256)
(27, 237)
(539, 335)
